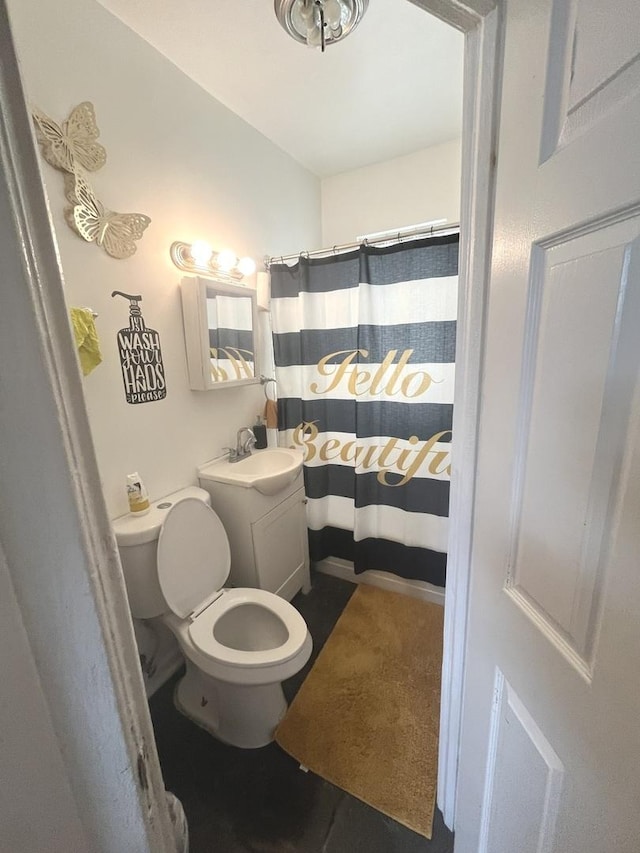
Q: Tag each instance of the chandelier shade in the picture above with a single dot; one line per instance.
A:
(319, 23)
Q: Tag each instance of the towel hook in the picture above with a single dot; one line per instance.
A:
(264, 381)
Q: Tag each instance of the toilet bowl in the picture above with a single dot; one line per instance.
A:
(239, 644)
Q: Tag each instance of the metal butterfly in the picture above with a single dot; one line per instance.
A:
(74, 142)
(115, 232)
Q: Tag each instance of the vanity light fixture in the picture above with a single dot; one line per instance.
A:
(200, 257)
(319, 23)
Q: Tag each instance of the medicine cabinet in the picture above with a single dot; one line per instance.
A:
(220, 333)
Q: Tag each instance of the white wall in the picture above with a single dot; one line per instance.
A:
(407, 190)
(179, 156)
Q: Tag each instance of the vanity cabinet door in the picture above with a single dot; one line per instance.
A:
(280, 543)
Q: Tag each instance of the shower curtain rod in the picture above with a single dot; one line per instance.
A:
(400, 235)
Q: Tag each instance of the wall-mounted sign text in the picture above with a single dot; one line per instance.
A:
(140, 357)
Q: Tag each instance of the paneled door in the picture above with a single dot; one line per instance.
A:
(550, 750)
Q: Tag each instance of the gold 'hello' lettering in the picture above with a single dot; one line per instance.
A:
(341, 369)
(390, 377)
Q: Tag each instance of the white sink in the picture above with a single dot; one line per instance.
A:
(269, 471)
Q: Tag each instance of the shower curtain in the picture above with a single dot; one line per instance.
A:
(364, 346)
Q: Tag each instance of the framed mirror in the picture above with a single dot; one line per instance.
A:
(220, 333)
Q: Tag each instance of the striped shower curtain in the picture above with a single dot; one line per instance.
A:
(364, 347)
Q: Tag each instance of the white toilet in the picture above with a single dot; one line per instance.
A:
(239, 644)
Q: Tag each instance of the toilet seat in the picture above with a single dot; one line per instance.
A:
(201, 630)
(193, 557)
(194, 560)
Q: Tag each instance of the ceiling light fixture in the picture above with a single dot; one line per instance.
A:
(199, 257)
(319, 23)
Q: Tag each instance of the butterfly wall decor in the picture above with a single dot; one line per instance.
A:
(72, 143)
(72, 147)
(116, 233)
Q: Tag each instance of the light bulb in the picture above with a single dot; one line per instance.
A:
(247, 266)
(201, 252)
(226, 260)
(333, 13)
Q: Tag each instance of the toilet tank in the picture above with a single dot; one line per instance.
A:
(137, 538)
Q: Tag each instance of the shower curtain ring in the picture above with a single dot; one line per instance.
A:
(335, 251)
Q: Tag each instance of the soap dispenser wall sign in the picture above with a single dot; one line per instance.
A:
(140, 356)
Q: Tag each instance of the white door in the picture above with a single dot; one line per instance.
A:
(550, 750)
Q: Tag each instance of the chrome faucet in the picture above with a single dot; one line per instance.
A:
(242, 448)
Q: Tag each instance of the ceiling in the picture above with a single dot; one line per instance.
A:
(391, 87)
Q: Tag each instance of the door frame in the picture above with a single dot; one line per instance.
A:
(55, 532)
(86, 598)
(481, 22)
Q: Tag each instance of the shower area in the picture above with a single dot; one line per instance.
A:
(364, 348)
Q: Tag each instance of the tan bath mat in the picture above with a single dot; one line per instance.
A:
(366, 717)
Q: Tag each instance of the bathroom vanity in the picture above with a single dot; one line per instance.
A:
(267, 532)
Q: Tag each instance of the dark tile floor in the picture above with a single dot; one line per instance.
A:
(259, 801)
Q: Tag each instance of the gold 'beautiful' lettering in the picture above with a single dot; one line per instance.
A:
(420, 456)
(327, 448)
(407, 462)
(304, 435)
(360, 381)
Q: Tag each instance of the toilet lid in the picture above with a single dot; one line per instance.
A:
(193, 556)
